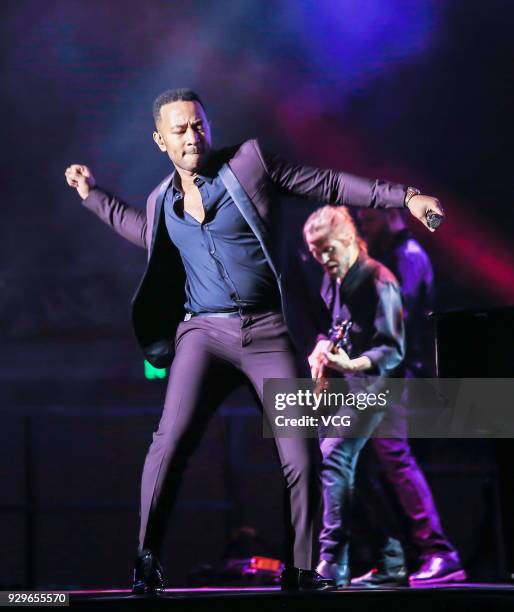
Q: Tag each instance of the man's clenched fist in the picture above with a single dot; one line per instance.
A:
(81, 178)
(419, 205)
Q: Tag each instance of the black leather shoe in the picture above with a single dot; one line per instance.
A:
(294, 579)
(375, 579)
(339, 573)
(441, 568)
(148, 575)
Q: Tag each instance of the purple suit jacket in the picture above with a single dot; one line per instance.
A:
(254, 178)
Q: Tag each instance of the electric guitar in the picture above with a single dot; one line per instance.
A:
(339, 337)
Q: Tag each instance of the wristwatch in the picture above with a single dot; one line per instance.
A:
(410, 193)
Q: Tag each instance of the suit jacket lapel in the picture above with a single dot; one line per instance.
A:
(159, 201)
(248, 211)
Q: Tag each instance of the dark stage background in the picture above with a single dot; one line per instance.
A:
(416, 92)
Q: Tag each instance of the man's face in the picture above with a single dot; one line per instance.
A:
(373, 224)
(184, 133)
(333, 253)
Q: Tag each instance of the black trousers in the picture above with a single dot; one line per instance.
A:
(208, 351)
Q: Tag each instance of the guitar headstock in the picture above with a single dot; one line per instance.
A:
(339, 334)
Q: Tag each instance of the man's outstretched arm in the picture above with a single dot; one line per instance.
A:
(334, 187)
(128, 221)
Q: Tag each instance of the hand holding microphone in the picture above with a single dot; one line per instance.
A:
(425, 208)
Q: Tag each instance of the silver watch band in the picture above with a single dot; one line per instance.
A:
(410, 193)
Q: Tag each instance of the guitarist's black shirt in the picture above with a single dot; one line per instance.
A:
(370, 296)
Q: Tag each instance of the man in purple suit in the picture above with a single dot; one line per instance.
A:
(212, 301)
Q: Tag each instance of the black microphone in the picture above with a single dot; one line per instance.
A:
(434, 219)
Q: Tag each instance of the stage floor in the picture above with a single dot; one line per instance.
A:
(466, 596)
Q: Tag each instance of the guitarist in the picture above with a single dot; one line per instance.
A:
(355, 288)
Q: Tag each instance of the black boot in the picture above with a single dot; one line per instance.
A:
(390, 570)
(148, 575)
(337, 568)
(294, 579)
(338, 572)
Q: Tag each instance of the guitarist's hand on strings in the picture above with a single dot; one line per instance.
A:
(315, 358)
(338, 359)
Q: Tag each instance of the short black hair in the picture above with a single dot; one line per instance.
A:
(173, 95)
